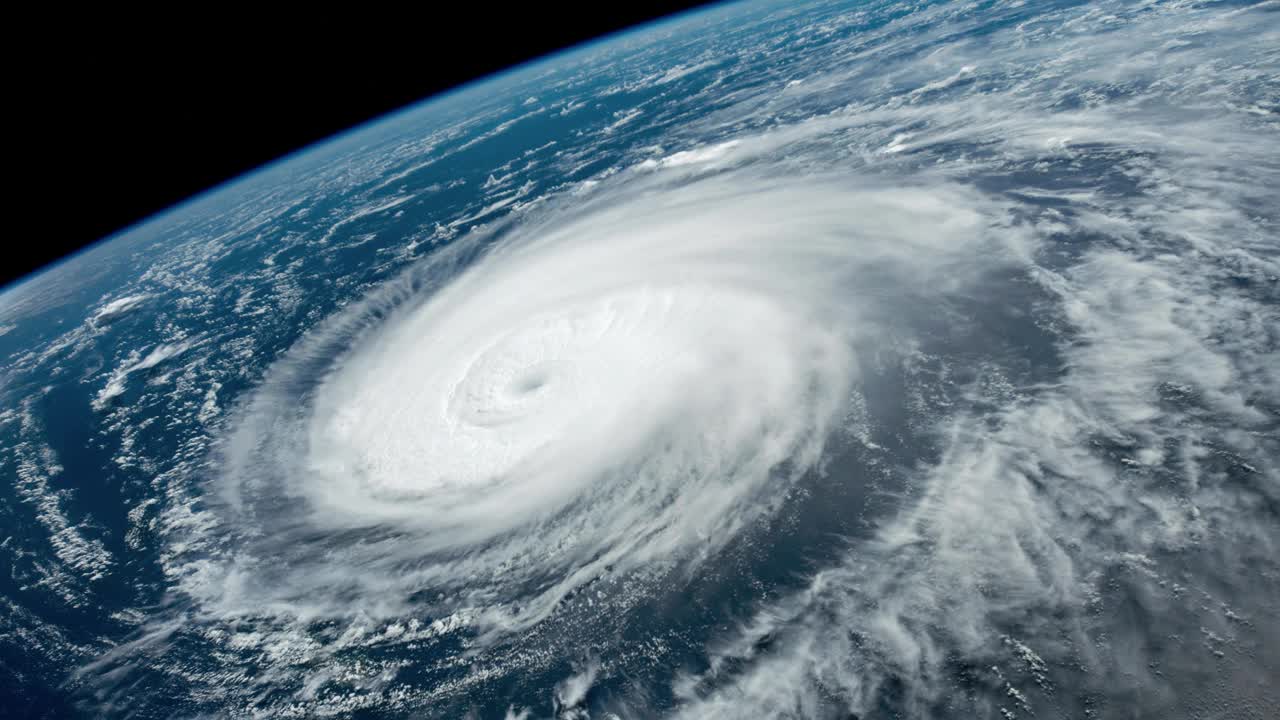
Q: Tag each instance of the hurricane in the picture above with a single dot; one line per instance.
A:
(798, 361)
(621, 383)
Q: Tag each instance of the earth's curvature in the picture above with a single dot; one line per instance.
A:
(783, 360)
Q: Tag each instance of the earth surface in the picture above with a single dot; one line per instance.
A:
(822, 360)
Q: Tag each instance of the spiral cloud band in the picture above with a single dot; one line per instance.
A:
(624, 381)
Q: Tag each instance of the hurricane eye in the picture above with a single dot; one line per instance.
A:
(531, 381)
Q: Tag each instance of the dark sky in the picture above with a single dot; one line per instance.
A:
(121, 117)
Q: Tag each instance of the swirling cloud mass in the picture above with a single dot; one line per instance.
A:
(632, 379)
(932, 373)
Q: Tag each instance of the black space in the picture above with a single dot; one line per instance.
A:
(121, 117)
